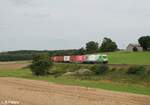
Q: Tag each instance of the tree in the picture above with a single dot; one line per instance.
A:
(91, 47)
(144, 41)
(81, 51)
(41, 64)
(108, 45)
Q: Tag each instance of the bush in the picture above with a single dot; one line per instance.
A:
(100, 69)
(69, 74)
(84, 72)
(113, 69)
(80, 72)
(136, 70)
(57, 71)
(41, 64)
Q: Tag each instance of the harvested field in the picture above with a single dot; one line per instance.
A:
(32, 92)
(13, 65)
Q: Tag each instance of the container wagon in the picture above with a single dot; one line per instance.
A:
(90, 58)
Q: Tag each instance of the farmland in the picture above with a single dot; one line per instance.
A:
(74, 52)
(137, 58)
(116, 80)
(116, 87)
(33, 92)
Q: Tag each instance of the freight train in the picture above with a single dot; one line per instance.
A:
(91, 58)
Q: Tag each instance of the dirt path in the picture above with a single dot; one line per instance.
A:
(15, 91)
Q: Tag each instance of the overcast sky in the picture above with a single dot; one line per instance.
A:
(69, 24)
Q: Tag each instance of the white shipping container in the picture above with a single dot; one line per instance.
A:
(66, 58)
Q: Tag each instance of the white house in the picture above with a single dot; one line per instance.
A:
(134, 47)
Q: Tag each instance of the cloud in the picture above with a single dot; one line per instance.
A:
(71, 23)
(36, 14)
(21, 2)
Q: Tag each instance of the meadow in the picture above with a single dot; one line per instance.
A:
(137, 58)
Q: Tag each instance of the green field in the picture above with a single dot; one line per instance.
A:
(138, 58)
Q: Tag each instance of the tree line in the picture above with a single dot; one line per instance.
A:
(107, 45)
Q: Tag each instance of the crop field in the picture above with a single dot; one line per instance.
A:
(16, 79)
(103, 82)
(33, 92)
(13, 65)
(138, 58)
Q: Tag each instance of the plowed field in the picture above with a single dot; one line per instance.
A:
(14, 91)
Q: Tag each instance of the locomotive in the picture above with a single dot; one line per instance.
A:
(89, 58)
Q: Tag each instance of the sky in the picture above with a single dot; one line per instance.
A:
(69, 24)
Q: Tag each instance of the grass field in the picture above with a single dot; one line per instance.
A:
(138, 58)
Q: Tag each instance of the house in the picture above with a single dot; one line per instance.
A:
(134, 47)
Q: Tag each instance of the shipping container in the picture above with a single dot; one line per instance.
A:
(77, 58)
(66, 58)
(80, 58)
(58, 58)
